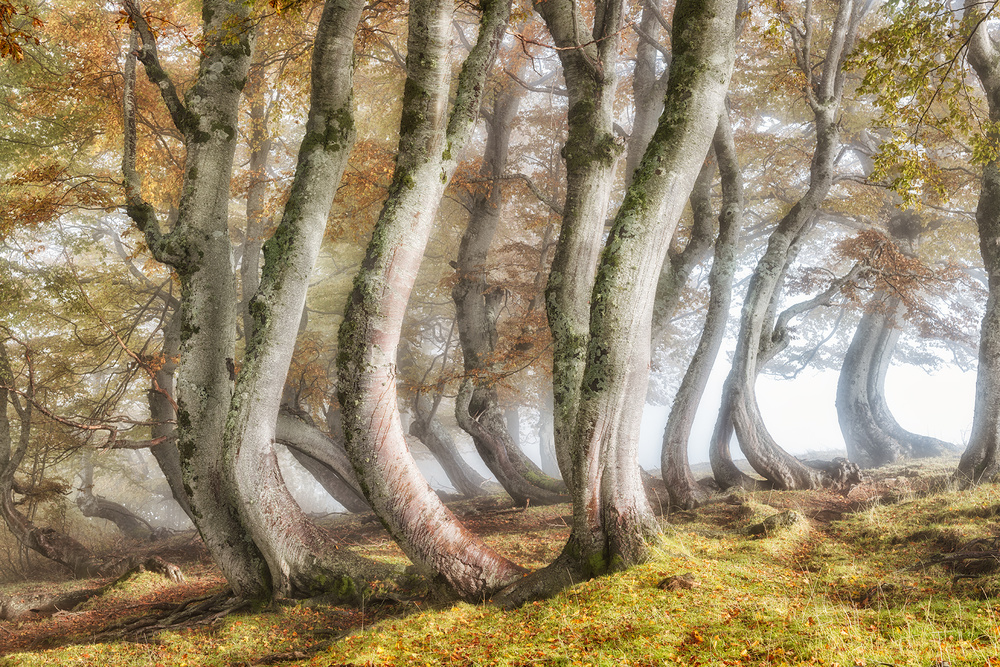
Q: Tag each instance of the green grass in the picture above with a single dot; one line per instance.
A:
(852, 593)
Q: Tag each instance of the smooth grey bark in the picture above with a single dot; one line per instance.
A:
(259, 139)
(588, 58)
(429, 430)
(980, 461)
(477, 308)
(324, 457)
(163, 413)
(613, 524)
(547, 437)
(872, 434)
(684, 491)
(430, 142)
(199, 250)
(301, 560)
(760, 335)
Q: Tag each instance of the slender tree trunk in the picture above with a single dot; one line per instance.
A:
(429, 146)
(477, 309)
(47, 542)
(613, 524)
(758, 339)
(681, 485)
(591, 152)
(164, 416)
(980, 462)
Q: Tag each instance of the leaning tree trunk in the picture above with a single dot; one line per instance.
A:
(429, 146)
(591, 152)
(981, 462)
(872, 435)
(162, 409)
(683, 489)
(198, 248)
(613, 524)
(477, 309)
(757, 338)
(426, 427)
(301, 560)
(324, 457)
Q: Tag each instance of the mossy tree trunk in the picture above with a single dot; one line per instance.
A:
(225, 431)
(980, 462)
(430, 141)
(199, 250)
(589, 59)
(477, 308)
(683, 489)
(759, 338)
(301, 560)
(613, 525)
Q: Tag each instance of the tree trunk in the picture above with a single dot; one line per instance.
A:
(613, 524)
(477, 309)
(681, 485)
(429, 147)
(591, 152)
(757, 339)
(164, 416)
(50, 543)
(980, 462)
(324, 457)
(430, 431)
(101, 508)
(547, 437)
(872, 434)
(198, 248)
(301, 560)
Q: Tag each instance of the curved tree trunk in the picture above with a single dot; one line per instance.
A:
(759, 338)
(477, 308)
(429, 430)
(980, 461)
(301, 560)
(591, 152)
(101, 508)
(199, 249)
(683, 489)
(429, 146)
(50, 543)
(613, 524)
(872, 434)
(162, 412)
(324, 457)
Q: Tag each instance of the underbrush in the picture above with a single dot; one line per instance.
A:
(871, 588)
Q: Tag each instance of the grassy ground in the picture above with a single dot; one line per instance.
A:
(851, 584)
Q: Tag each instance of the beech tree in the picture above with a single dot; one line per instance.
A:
(225, 424)
(431, 139)
(760, 334)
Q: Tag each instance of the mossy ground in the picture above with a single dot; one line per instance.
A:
(851, 586)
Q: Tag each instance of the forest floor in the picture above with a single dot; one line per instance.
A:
(901, 571)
